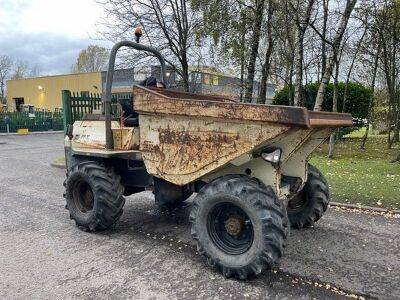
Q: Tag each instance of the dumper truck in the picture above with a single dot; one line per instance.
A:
(246, 166)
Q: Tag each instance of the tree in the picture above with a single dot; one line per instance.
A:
(323, 37)
(302, 15)
(92, 59)
(5, 68)
(334, 53)
(387, 25)
(20, 70)
(170, 26)
(235, 27)
(254, 45)
(373, 82)
(282, 62)
(334, 104)
(225, 24)
(267, 61)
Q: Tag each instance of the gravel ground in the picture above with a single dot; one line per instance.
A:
(149, 253)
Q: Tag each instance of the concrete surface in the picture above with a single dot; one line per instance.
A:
(149, 254)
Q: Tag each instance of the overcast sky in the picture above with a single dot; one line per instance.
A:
(48, 33)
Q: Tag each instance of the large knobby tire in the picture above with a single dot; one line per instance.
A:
(240, 225)
(93, 193)
(310, 204)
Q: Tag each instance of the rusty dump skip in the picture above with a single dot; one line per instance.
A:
(189, 96)
(162, 101)
(320, 118)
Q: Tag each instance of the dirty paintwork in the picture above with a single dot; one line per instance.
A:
(181, 149)
(91, 134)
(150, 101)
(296, 146)
(187, 104)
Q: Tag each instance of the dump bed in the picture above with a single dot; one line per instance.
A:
(185, 136)
(162, 101)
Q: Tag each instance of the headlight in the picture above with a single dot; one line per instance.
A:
(273, 156)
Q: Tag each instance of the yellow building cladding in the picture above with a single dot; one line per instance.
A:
(45, 92)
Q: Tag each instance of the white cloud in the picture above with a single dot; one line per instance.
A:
(48, 33)
(72, 18)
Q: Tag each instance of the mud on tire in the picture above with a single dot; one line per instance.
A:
(93, 193)
(240, 225)
(310, 204)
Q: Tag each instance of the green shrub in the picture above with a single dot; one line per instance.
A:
(358, 97)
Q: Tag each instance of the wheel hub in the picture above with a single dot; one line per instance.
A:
(234, 225)
(230, 228)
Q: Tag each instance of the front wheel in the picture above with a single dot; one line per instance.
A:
(310, 204)
(93, 193)
(240, 225)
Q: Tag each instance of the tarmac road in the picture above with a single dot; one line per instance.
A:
(149, 254)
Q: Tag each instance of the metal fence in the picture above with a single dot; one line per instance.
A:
(37, 121)
(77, 104)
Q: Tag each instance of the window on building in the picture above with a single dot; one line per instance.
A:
(215, 80)
(206, 79)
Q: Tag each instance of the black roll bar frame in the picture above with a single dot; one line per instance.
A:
(106, 99)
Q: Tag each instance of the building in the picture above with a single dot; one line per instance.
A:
(226, 86)
(45, 92)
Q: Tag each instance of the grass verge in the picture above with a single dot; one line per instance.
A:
(365, 177)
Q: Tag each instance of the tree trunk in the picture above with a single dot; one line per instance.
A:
(267, 64)
(396, 131)
(265, 74)
(302, 25)
(242, 63)
(397, 159)
(255, 41)
(323, 46)
(185, 72)
(346, 89)
(334, 109)
(371, 103)
(298, 101)
(331, 61)
(389, 60)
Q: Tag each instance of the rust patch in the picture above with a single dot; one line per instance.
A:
(196, 138)
(181, 149)
(189, 104)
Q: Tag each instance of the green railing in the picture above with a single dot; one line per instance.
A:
(37, 121)
(77, 104)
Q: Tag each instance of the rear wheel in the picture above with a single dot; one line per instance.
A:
(93, 194)
(310, 204)
(240, 225)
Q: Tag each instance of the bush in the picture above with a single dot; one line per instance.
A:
(358, 97)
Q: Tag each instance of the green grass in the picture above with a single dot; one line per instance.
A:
(361, 176)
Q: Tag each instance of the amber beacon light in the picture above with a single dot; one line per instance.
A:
(138, 33)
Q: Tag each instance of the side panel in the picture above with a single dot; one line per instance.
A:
(91, 134)
(182, 149)
(293, 162)
(296, 146)
(150, 102)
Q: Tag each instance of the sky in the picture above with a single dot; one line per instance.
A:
(48, 33)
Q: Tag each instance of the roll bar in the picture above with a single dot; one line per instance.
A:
(109, 79)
